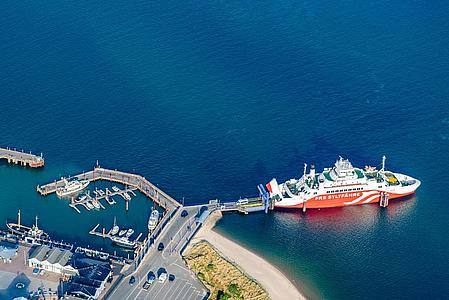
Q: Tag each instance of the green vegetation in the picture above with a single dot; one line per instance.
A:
(224, 280)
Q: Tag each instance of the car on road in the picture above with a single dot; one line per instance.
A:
(160, 247)
(132, 280)
(162, 277)
(151, 277)
(184, 213)
(202, 209)
(171, 277)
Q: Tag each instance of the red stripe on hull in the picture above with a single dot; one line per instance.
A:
(338, 200)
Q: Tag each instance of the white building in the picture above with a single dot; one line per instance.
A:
(52, 260)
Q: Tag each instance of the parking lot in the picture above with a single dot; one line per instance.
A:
(185, 286)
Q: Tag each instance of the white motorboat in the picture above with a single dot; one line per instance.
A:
(153, 220)
(96, 204)
(129, 233)
(124, 242)
(71, 187)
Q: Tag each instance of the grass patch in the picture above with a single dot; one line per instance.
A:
(224, 280)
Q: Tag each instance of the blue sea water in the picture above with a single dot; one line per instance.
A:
(209, 99)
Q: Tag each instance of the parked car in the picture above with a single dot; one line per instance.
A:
(184, 213)
(160, 247)
(132, 280)
(35, 271)
(151, 277)
(42, 272)
(162, 277)
(146, 285)
(171, 277)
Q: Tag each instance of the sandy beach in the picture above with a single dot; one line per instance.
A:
(269, 277)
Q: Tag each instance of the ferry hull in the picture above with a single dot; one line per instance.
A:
(340, 200)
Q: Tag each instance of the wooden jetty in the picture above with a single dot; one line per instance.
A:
(130, 180)
(14, 156)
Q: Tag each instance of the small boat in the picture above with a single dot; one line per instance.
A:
(100, 192)
(89, 205)
(122, 232)
(71, 187)
(153, 220)
(96, 193)
(80, 198)
(110, 200)
(114, 230)
(129, 233)
(115, 189)
(124, 242)
(96, 204)
(103, 256)
(127, 196)
(20, 229)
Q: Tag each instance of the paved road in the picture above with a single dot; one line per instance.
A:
(186, 285)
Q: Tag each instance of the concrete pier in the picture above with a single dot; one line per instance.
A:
(14, 156)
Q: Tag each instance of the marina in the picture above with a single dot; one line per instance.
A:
(89, 202)
(132, 181)
(122, 240)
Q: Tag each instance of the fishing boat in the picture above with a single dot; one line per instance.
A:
(129, 233)
(153, 220)
(123, 242)
(71, 187)
(122, 232)
(23, 230)
(341, 185)
(115, 229)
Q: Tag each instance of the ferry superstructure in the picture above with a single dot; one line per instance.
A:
(341, 185)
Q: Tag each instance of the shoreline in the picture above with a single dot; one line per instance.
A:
(273, 281)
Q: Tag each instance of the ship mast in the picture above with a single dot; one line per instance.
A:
(383, 163)
(305, 171)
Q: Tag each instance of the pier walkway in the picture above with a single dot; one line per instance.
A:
(19, 157)
(127, 179)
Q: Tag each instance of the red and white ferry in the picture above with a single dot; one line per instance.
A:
(341, 185)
